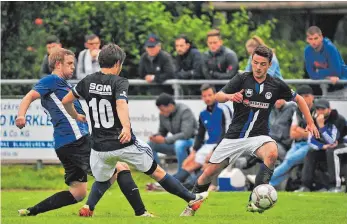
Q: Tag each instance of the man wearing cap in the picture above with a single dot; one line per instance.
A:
(331, 127)
(156, 65)
(300, 147)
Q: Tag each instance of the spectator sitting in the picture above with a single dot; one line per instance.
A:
(323, 60)
(279, 125)
(179, 120)
(331, 126)
(156, 65)
(251, 44)
(215, 119)
(219, 62)
(88, 59)
(299, 149)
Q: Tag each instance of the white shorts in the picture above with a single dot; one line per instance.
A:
(103, 164)
(203, 152)
(234, 148)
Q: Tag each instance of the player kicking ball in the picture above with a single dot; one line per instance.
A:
(112, 138)
(71, 139)
(253, 95)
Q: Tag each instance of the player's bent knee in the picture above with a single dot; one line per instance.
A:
(120, 166)
(79, 191)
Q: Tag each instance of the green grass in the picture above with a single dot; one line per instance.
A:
(226, 207)
(219, 208)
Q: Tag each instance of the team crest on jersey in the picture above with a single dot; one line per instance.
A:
(268, 95)
(158, 69)
(249, 92)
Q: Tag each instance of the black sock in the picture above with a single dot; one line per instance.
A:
(131, 191)
(97, 191)
(263, 176)
(182, 175)
(55, 201)
(200, 188)
(173, 186)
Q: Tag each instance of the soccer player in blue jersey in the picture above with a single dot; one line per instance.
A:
(71, 141)
(253, 95)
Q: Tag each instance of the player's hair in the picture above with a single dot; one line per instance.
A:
(314, 30)
(58, 55)
(207, 86)
(110, 54)
(214, 33)
(263, 51)
(90, 37)
(164, 99)
(186, 39)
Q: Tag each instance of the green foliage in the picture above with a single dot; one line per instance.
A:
(127, 24)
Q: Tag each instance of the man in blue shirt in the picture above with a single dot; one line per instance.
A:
(322, 58)
(71, 138)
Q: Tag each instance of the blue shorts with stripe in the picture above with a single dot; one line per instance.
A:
(103, 164)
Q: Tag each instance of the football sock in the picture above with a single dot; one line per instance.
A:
(200, 188)
(182, 175)
(55, 201)
(97, 191)
(263, 176)
(131, 191)
(173, 186)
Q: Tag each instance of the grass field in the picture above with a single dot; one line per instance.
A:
(221, 207)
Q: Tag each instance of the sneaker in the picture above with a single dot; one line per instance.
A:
(154, 187)
(335, 190)
(194, 205)
(303, 189)
(251, 178)
(251, 207)
(85, 211)
(23, 212)
(146, 214)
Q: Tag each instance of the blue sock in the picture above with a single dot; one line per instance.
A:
(173, 186)
(97, 191)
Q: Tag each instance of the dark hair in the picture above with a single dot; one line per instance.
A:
(164, 99)
(314, 30)
(184, 37)
(207, 86)
(58, 55)
(263, 51)
(214, 33)
(110, 54)
(90, 37)
(52, 39)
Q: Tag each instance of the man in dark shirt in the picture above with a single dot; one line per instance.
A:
(219, 62)
(156, 66)
(253, 95)
(106, 94)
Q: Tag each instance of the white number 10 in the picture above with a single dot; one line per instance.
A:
(105, 111)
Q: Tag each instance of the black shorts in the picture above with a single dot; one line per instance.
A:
(75, 158)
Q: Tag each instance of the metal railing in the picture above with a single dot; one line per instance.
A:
(177, 83)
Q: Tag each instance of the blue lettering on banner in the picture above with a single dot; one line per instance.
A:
(31, 120)
(27, 144)
(2, 120)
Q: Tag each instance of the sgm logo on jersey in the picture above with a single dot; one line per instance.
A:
(268, 95)
(249, 92)
(100, 89)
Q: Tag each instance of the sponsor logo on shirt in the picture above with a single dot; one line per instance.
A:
(100, 89)
(255, 104)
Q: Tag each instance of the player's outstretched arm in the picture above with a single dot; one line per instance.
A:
(69, 107)
(23, 107)
(123, 115)
(306, 112)
(223, 97)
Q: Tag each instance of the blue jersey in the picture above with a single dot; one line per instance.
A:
(52, 89)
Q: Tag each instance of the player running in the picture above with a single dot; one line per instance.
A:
(112, 138)
(253, 95)
(71, 139)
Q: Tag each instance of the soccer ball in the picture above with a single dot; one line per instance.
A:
(264, 196)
